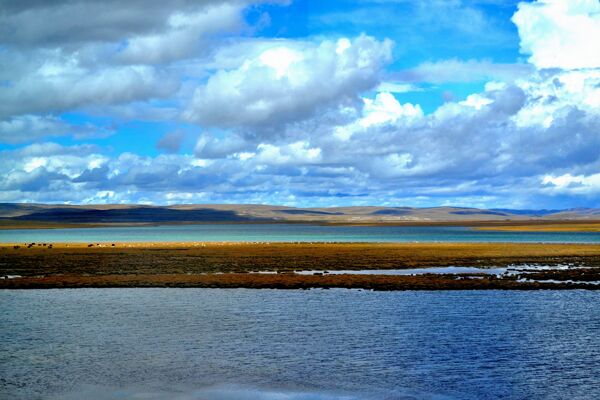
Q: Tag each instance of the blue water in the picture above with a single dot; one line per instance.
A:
(298, 345)
(287, 233)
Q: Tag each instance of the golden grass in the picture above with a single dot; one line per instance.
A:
(553, 227)
(201, 257)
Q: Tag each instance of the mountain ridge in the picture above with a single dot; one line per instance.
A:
(244, 213)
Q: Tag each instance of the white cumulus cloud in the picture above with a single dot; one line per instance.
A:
(560, 33)
(289, 82)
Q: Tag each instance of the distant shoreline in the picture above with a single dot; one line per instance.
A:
(512, 226)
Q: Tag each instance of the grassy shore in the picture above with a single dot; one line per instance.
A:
(228, 264)
(567, 226)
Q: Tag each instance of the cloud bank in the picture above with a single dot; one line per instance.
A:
(305, 121)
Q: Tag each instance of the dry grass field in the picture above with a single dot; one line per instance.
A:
(565, 226)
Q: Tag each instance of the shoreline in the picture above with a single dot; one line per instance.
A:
(545, 227)
(231, 264)
(478, 225)
(490, 247)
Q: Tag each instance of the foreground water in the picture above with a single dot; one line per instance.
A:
(298, 345)
(288, 233)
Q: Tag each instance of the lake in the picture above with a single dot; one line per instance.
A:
(288, 233)
(298, 345)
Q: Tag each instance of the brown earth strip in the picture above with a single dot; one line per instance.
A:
(283, 281)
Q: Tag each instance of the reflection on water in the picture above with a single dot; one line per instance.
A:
(298, 345)
(412, 271)
(221, 392)
(287, 233)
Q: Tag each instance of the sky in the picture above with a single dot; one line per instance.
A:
(474, 103)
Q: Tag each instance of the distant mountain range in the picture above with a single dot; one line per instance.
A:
(241, 213)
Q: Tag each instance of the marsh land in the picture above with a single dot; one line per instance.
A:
(235, 265)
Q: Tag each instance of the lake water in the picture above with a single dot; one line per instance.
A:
(288, 233)
(298, 345)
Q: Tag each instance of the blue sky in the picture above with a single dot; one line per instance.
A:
(483, 103)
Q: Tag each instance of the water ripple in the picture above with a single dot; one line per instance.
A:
(298, 345)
